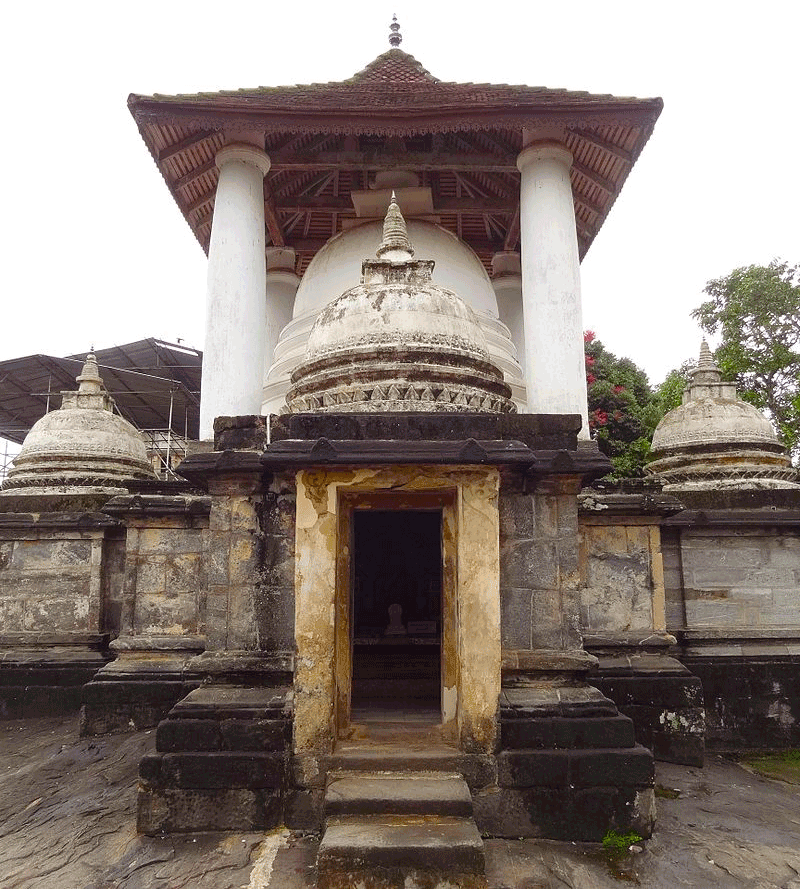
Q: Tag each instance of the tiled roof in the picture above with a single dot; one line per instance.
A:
(393, 80)
(326, 140)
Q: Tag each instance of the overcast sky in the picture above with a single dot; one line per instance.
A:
(96, 252)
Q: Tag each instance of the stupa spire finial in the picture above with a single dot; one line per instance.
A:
(395, 37)
(395, 245)
(89, 379)
(705, 354)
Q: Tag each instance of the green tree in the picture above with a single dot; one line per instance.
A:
(757, 311)
(622, 410)
(668, 394)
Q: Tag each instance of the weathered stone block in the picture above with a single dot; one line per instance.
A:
(173, 810)
(50, 555)
(150, 574)
(175, 735)
(11, 613)
(533, 768)
(167, 615)
(517, 517)
(529, 564)
(53, 615)
(516, 615)
(547, 619)
(224, 770)
(170, 541)
(546, 516)
(261, 734)
(183, 573)
(612, 768)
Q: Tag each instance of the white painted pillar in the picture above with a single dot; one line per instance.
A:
(282, 284)
(233, 357)
(507, 284)
(555, 371)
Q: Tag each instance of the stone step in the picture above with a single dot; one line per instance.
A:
(405, 793)
(560, 732)
(478, 770)
(396, 851)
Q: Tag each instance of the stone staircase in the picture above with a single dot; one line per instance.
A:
(398, 829)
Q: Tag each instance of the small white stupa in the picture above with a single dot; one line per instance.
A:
(81, 448)
(714, 440)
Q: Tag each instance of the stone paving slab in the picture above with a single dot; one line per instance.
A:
(67, 821)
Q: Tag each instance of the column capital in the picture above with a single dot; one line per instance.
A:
(506, 264)
(244, 153)
(540, 151)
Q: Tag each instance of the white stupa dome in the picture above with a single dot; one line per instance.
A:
(82, 448)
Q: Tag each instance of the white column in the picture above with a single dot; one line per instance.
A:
(233, 358)
(555, 371)
(282, 284)
(507, 284)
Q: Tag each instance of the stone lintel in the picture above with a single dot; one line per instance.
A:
(646, 640)
(726, 518)
(158, 643)
(144, 506)
(52, 640)
(337, 452)
(536, 431)
(531, 662)
(714, 635)
(205, 468)
(226, 701)
(278, 666)
(594, 505)
(56, 521)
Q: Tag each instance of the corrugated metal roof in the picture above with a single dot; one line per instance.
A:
(142, 378)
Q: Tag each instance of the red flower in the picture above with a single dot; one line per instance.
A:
(590, 360)
(619, 388)
(590, 378)
(588, 336)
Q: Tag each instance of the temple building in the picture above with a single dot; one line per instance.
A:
(383, 593)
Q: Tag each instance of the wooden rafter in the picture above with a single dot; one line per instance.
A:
(588, 136)
(194, 174)
(512, 235)
(404, 160)
(600, 181)
(344, 204)
(590, 205)
(271, 218)
(202, 201)
(190, 141)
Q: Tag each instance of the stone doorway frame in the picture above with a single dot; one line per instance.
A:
(443, 501)
(470, 523)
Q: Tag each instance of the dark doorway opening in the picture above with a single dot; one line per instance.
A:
(396, 613)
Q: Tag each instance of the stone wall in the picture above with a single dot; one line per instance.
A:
(732, 580)
(539, 571)
(51, 574)
(164, 564)
(160, 616)
(60, 597)
(622, 574)
(733, 577)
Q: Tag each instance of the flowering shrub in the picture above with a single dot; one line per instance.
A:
(623, 411)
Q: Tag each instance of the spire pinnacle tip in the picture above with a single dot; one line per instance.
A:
(395, 244)
(395, 37)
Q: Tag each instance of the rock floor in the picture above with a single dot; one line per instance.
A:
(67, 822)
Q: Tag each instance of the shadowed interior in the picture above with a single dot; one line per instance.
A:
(397, 613)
